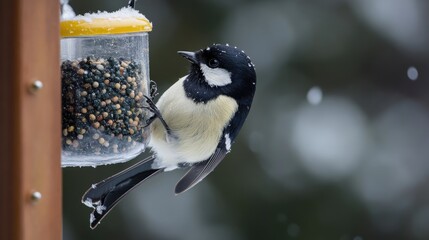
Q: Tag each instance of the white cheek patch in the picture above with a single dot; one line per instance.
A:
(216, 77)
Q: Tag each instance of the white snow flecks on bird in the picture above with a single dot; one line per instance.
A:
(88, 202)
(100, 209)
(227, 142)
(91, 218)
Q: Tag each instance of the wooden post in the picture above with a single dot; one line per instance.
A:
(30, 121)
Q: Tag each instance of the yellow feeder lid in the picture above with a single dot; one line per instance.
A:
(125, 20)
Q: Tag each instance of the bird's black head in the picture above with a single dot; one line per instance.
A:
(220, 69)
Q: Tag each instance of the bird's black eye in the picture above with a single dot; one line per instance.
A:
(213, 63)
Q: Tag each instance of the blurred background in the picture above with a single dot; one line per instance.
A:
(335, 146)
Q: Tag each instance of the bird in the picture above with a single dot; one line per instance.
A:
(194, 123)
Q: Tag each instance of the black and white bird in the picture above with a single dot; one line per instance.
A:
(194, 125)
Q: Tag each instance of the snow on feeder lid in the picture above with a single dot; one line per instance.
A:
(125, 20)
(104, 76)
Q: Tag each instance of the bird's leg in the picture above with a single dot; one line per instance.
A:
(157, 114)
(150, 120)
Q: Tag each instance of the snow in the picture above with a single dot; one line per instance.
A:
(88, 202)
(91, 218)
(412, 73)
(227, 142)
(123, 13)
(314, 95)
(100, 209)
(67, 11)
(330, 139)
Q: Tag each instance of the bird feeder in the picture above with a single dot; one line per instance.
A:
(105, 78)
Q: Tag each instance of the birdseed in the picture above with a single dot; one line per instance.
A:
(100, 107)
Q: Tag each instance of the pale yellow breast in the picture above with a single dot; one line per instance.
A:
(198, 127)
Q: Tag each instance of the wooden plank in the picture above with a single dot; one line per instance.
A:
(30, 122)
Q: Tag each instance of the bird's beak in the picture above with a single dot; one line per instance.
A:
(191, 56)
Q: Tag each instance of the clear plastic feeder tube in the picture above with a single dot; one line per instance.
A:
(104, 76)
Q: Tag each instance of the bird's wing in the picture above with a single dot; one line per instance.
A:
(200, 170)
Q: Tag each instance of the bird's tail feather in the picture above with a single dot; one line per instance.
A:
(104, 195)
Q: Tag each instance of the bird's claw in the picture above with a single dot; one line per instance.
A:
(153, 89)
(157, 114)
